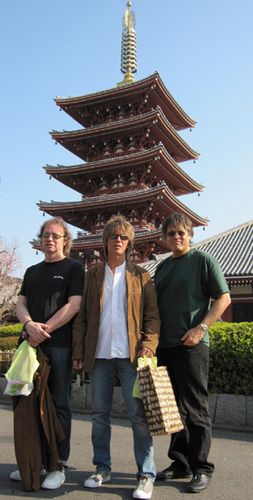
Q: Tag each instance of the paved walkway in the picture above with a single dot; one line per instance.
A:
(232, 453)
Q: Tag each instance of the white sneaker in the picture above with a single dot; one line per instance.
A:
(15, 475)
(97, 479)
(144, 488)
(53, 480)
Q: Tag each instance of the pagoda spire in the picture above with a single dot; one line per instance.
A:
(128, 46)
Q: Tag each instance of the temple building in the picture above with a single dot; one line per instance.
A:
(130, 154)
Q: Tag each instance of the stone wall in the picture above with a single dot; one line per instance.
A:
(228, 411)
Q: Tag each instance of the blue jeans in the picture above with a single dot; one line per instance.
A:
(102, 383)
(59, 384)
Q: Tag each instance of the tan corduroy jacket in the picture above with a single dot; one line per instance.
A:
(142, 314)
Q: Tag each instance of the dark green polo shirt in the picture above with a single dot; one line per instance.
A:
(185, 286)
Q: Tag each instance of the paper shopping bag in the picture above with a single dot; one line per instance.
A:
(159, 401)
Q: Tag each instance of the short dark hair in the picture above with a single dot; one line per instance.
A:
(118, 221)
(67, 233)
(175, 220)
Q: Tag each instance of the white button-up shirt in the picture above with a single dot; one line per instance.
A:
(113, 333)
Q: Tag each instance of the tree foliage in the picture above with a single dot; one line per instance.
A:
(9, 262)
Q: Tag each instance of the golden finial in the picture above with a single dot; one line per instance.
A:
(128, 46)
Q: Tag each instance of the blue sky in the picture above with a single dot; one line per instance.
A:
(203, 51)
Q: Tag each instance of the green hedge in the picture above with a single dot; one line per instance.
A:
(9, 335)
(231, 358)
(8, 343)
(231, 355)
(10, 330)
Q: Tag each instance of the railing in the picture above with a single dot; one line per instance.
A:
(78, 378)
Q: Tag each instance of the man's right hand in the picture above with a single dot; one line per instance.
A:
(77, 364)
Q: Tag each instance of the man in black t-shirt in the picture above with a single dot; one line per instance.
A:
(48, 302)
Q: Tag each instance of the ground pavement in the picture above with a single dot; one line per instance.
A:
(231, 451)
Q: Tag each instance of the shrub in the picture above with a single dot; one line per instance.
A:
(10, 330)
(9, 335)
(8, 342)
(231, 358)
(231, 355)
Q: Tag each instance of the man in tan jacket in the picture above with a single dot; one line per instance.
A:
(118, 322)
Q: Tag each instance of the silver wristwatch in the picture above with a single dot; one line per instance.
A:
(204, 327)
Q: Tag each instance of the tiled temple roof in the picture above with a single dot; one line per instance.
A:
(233, 249)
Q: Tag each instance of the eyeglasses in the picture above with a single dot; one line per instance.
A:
(122, 237)
(170, 234)
(55, 236)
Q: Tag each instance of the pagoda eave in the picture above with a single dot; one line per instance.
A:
(156, 159)
(154, 200)
(156, 126)
(161, 192)
(151, 87)
(240, 280)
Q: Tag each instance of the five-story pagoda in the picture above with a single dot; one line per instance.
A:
(130, 151)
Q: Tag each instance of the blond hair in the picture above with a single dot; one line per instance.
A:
(118, 222)
(67, 234)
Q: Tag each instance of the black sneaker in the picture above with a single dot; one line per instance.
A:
(173, 472)
(198, 483)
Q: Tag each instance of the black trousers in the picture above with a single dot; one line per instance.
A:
(188, 369)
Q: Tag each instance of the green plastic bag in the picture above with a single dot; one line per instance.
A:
(21, 372)
(142, 362)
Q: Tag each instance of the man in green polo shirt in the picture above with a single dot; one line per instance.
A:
(192, 294)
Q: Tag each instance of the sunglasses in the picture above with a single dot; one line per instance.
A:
(55, 236)
(170, 234)
(122, 237)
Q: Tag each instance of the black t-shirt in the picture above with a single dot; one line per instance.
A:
(47, 287)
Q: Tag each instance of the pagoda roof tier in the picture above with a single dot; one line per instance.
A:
(155, 162)
(152, 205)
(147, 129)
(146, 94)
